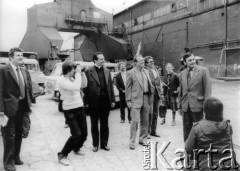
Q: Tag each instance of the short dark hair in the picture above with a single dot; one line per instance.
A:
(213, 109)
(146, 58)
(68, 66)
(95, 58)
(187, 55)
(13, 50)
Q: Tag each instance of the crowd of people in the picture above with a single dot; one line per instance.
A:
(142, 92)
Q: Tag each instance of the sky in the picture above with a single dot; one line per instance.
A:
(13, 19)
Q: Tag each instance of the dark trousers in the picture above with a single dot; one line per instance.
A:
(123, 105)
(188, 118)
(12, 136)
(77, 122)
(154, 113)
(101, 112)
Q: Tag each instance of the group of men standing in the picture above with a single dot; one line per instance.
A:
(143, 91)
(139, 88)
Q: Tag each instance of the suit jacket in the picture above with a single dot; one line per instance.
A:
(156, 82)
(120, 84)
(134, 87)
(199, 88)
(10, 91)
(171, 85)
(92, 91)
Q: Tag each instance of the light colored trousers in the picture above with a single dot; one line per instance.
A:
(140, 115)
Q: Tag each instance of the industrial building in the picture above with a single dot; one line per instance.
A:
(46, 21)
(210, 28)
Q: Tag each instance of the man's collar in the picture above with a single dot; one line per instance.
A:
(99, 67)
(13, 66)
(192, 69)
(139, 69)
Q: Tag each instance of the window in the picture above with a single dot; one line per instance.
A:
(173, 7)
(135, 22)
(83, 16)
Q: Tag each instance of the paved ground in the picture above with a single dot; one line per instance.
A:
(48, 136)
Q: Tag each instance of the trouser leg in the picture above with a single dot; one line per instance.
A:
(122, 108)
(188, 118)
(155, 113)
(135, 115)
(75, 137)
(8, 135)
(104, 129)
(144, 119)
(94, 116)
(82, 124)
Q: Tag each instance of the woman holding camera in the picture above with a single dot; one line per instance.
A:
(69, 86)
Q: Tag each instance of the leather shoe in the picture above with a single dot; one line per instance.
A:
(132, 147)
(95, 149)
(18, 162)
(106, 148)
(155, 134)
(122, 121)
(143, 143)
(79, 152)
(163, 121)
(173, 123)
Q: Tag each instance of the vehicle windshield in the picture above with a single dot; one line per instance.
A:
(57, 70)
(31, 67)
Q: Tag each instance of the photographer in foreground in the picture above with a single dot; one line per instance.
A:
(69, 86)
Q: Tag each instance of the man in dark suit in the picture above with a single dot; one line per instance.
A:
(155, 98)
(99, 96)
(195, 87)
(15, 100)
(120, 84)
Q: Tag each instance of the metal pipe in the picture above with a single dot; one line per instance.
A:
(187, 34)
(226, 23)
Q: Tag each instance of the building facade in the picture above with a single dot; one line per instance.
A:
(165, 28)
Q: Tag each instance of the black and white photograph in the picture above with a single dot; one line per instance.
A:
(119, 85)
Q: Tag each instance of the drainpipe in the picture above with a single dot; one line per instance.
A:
(226, 34)
(163, 57)
(226, 24)
(187, 34)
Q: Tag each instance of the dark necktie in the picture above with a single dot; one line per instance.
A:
(188, 77)
(21, 85)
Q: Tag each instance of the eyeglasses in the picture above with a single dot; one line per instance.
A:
(151, 62)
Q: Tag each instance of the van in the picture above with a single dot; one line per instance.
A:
(57, 72)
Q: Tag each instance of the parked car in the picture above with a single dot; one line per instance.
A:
(51, 86)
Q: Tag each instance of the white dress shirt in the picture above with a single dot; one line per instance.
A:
(15, 71)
